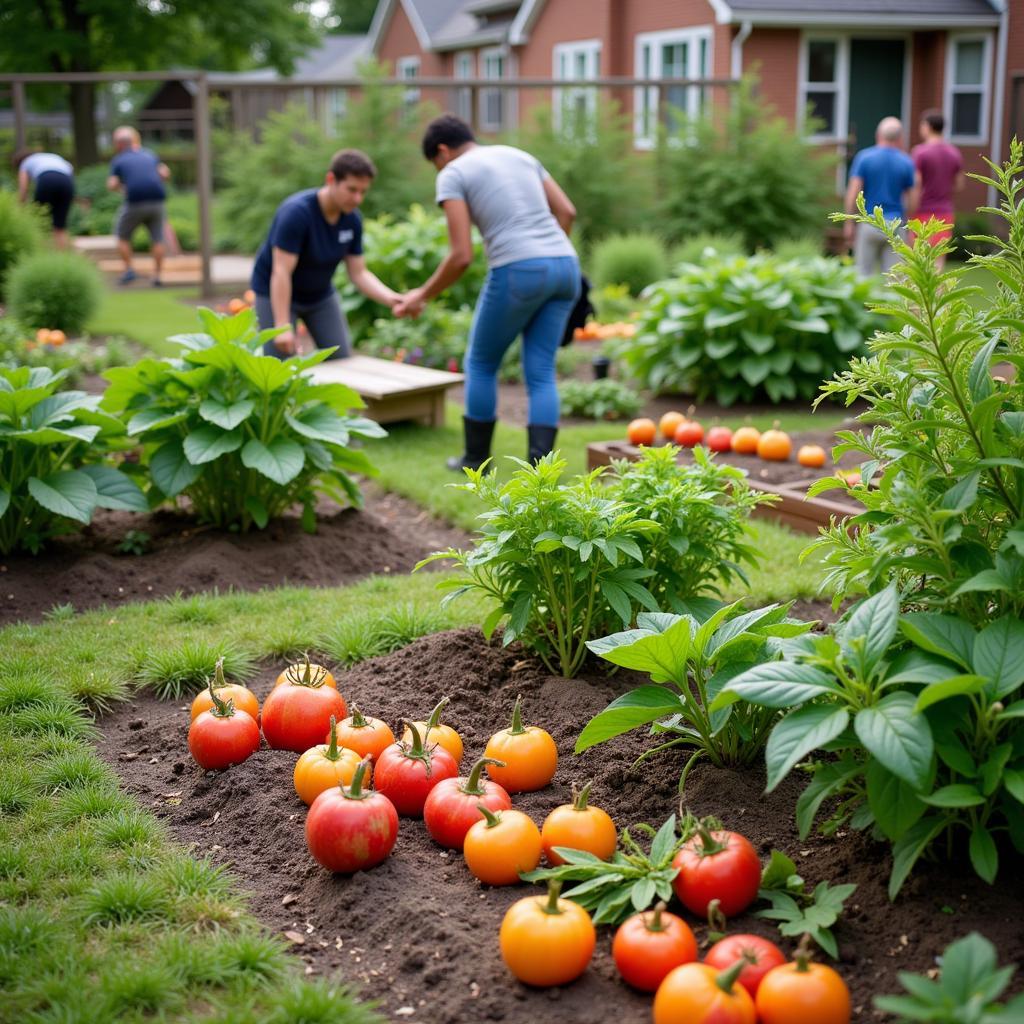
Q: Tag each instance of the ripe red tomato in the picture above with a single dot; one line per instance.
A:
(689, 433)
(222, 736)
(719, 866)
(453, 805)
(351, 829)
(761, 955)
(720, 439)
(649, 945)
(298, 712)
(406, 773)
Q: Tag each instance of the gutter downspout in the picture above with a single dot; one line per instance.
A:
(736, 69)
(999, 84)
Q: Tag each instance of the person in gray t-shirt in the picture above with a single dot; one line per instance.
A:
(52, 181)
(533, 276)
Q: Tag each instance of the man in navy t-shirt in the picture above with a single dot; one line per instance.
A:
(140, 175)
(312, 232)
(885, 174)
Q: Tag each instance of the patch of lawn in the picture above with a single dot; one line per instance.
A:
(146, 315)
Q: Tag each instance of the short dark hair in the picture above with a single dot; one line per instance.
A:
(446, 130)
(352, 163)
(935, 120)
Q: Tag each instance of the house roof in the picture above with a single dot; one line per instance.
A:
(922, 13)
(428, 18)
(334, 57)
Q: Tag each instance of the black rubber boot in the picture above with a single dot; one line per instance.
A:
(477, 434)
(540, 441)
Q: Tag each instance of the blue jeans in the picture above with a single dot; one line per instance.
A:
(529, 297)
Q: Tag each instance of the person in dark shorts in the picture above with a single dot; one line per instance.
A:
(53, 179)
(139, 173)
(311, 233)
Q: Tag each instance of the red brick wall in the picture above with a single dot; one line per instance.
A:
(774, 53)
(1014, 67)
(400, 40)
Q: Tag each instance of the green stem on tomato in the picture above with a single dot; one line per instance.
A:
(435, 716)
(473, 786)
(554, 890)
(355, 789)
(656, 924)
(331, 753)
(517, 728)
(492, 818)
(727, 979)
(358, 721)
(579, 802)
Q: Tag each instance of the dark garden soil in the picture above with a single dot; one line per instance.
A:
(86, 569)
(420, 935)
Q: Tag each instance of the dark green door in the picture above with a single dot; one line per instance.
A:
(877, 67)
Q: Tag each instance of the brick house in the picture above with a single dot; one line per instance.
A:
(849, 62)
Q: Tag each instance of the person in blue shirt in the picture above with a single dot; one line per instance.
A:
(140, 175)
(312, 232)
(886, 176)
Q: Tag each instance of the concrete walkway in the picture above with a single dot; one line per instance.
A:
(184, 269)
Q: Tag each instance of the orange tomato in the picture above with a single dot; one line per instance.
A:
(744, 440)
(649, 945)
(236, 306)
(436, 734)
(803, 993)
(812, 455)
(56, 338)
(326, 766)
(501, 845)
(642, 431)
(43, 335)
(670, 423)
(579, 827)
(368, 737)
(774, 446)
(698, 994)
(249, 296)
(241, 696)
(529, 753)
(547, 941)
(306, 672)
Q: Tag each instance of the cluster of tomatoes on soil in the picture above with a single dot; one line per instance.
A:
(46, 337)
(594, 331)
(237, 305)
(544, 940)
(772, 445)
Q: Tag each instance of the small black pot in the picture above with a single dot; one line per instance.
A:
(600, 365)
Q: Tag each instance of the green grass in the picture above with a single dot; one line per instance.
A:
(146, 315)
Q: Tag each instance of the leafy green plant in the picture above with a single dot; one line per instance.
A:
(54, 289)
(134, 542)
(74, 358)
(613, 303)
(21, 234)
(966, 991)
(943, 472)
(742, 328)
(242, 435)
(606, 399)
(694, 248)
(696, 654)
(635, 260)
(52, 447)
(95, 206)
(436, 338)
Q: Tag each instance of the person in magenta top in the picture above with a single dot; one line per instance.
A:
(939, 175)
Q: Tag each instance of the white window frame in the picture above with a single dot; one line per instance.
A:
(984, 89)
(408, 68)
(464, 66)
(563, 64)
(646, 98)
(504, 95)
(840, 88)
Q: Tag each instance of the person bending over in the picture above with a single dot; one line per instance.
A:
(53, 179)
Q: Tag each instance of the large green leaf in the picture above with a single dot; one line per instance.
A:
(281, 460)
(5, 500)
(155, 419)
(661, 655)
(171, 471)
(894, 804)
(899, 736)
(944, 635)
(226, 415)
(68, 434)
(321, 423)
(265, 373)
(69, 493)
(800, 732)
(869, 630)
(209, 442)
(777, 684)
(909, 847)
(954, 686)
(115, 490)
(638, 707)
(60, 407)
(999, 654)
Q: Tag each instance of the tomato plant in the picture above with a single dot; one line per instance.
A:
(241, 696)
(351, 829)
(366, 736)
(546, 940)
(222, 736)
(719, 866)
(579, 827)
(803, 993)
(407, 772)
(649, 945)
(453, 805)
(699, 994)
(298, 712)
(760, 955)
(324, 767)
(528, 754)
(436, 734)
(502, 846)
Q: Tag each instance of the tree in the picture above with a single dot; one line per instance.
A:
(352, 16)
(99, 35)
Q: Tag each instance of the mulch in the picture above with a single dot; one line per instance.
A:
(419, 934)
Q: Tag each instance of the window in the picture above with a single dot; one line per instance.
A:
(463, 68)
(576, 62)
(968, 72)
(409, 70)
(337, 105)
(494, 103)
(679, 54)
(822, 85)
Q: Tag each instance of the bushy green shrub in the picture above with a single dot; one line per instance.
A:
(606, 399)
(21, 234)
(54, 289)
(242, 435)
(74, 358)
(808, 248)
(403, 252)
(437, 338)
(95, 207)
(743, 169)
(747, 327)
(694, 248)
(967, 228)
(613, 303)
(635, 260)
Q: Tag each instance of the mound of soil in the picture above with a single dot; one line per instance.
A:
(420, 935)
(87, 570)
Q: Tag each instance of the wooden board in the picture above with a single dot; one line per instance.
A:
(392, 391)
(793, 509)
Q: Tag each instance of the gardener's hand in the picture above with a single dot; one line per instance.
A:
(411, 303)
(286, 342)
